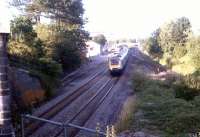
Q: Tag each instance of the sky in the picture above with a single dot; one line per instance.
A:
(128, 18)
(137, 18)
(5, 15)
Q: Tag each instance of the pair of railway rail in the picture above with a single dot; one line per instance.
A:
(74, 76)
(84, 113)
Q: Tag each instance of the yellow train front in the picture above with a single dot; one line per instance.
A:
(117, 61)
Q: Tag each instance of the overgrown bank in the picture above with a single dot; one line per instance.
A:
(167, 106)
(46, 49)
(175, 45)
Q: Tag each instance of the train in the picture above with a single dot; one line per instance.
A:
(118, 60)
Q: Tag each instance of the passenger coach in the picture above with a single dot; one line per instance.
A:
(117, 61)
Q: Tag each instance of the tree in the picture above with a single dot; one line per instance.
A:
(24, 41)
(193, 48)
(181, 30)
(65, 11)
(22, 29)
(174, 33)
(152, 45)
(100, 39)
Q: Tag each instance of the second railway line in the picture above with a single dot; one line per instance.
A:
(66, 100)
(91, 93)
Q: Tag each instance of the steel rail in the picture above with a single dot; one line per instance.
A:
(109, 84)
(54, 109)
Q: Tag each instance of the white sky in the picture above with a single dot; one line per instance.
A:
(137, 18)
(129, 18)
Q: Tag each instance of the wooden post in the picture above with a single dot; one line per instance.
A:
(113, 131)
(107, 131)
(6, 128)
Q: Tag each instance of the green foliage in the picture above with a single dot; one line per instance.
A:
(54, 68)
(48, 82)
(66, 46)
(195, 59)
(67, 11)
(64, 39)
(152, 47)
(181, 30)
(24, 42)
(175, 33)
(100, 39)
(126, 117)
(138, 81)
(22, 50)
(188, 86)
(192, 80)
(172, 43)
(164, 105)
(179, 51)
(182, 91)
(22, 30)
(48, 72)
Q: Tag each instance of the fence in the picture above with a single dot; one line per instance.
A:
(64, 126)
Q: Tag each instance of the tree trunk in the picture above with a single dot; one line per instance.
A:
(6, 129)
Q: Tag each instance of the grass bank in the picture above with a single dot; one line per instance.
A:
(170, 106)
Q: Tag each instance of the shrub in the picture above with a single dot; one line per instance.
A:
(48, 82)
(126, 117)
(184, 92)
(179, 51)
(162, 110)
(167, 113)
(22, 50)
(138, 81)
(49, 67)
(188, 86)
(68, 56)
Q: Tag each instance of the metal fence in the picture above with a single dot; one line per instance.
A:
(62, 125)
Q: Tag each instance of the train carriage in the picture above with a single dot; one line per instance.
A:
(118, 60)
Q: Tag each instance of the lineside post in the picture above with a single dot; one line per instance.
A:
(22, 125)
(65, 130)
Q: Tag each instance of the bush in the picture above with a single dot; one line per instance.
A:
(179, 51)
(138, 81)
(164, 105)
(68, 56)
(167, 113)
(49, 67)
(126, 117)
(184, 92)
(48, 82)
(22, 50)
(188, 86)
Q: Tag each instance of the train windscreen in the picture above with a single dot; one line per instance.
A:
(114, 61)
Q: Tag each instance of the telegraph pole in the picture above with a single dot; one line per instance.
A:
(6, 128)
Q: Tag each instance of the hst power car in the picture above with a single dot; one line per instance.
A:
(117, 61)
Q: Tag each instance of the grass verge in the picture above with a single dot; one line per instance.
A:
(158, 108)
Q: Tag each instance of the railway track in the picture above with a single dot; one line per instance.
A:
(147, 62)
(67, 100)
(74, 76)
(87, 109)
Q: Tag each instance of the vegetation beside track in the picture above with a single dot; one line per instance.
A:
(169, 107)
